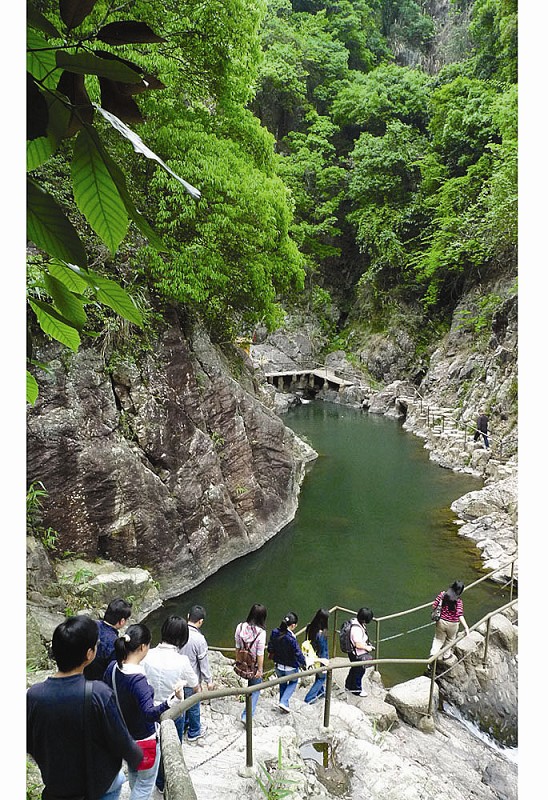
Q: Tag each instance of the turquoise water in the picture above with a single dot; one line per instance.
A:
(374, 528)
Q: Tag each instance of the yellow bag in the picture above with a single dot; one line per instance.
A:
(310, 656)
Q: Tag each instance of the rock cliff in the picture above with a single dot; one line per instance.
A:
(164, 461)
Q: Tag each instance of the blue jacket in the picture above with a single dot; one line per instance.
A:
(136, 698)
(105, 651)
(283, 648)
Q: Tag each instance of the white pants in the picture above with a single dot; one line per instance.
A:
(446, 633)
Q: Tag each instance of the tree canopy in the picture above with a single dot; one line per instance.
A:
(209, 156)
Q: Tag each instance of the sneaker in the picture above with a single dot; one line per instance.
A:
(363, 693)
(284, 708)
(201, 732)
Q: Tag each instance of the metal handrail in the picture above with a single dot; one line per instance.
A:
(247, 691)
(467, 427)
(335, 609)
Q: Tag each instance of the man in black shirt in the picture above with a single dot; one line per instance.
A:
(57, 725)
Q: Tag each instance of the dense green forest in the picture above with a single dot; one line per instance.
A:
(355, 150)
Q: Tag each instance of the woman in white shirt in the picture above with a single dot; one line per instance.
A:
(361, 651)
(166, 668)
(251, 634)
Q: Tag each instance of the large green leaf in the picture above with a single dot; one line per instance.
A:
(32, 388)
(49, 228)
(37, 20)
(114, 296)
(118, 177)
(39, 150)
(127, 32)
(65, 302)
(54, 325)
(41, 59)
(89, 64)
(73, 12)
(68, 276)
(96, 194)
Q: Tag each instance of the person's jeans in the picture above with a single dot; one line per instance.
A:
(353, 680)
(192, 723)
(286, 689)
(317, 689)
(180, 727)
(115, 788)
(254, 696)
(142, 781)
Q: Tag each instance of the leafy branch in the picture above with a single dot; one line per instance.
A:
(59, 108)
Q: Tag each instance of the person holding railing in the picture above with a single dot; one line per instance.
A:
(135, 698)
(284, 650)
(166, 668)
(452, 614)
(360, 651)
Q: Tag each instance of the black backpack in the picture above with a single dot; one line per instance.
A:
(344, 637)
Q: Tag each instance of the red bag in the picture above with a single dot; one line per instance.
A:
(148, 746)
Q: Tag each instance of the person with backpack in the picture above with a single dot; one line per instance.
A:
(284, 650)
(452, 614)
(316, 633)
(135, 698)
(74, 729)
(250, 641)
(358, 649)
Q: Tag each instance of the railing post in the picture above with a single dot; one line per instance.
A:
(427, 416)
(248, 731)
(434, 666)
(334, 648)
(377, 638)
(486, 648)
(512, 581)
(327, 705)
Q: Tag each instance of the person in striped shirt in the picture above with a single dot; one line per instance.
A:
(452, 614)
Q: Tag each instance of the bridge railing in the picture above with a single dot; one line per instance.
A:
(339, 663)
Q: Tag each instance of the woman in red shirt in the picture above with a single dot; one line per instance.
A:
(452, 614)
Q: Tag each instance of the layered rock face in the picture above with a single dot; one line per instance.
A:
(165, 462)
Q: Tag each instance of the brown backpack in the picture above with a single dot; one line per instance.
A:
(246, 663)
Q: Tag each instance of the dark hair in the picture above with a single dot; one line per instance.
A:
(290, 619)
(175, 631)
(196, 613)
(130, 641)
(71, 641)
(117, 609)
(318, 623)
(452, 594)
(364, 615)
(257, 615)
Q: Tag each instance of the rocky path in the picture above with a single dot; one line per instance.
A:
(370, 753)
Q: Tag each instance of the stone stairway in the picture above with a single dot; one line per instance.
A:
(450, 438)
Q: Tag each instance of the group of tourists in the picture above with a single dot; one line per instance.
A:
(104, 703)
